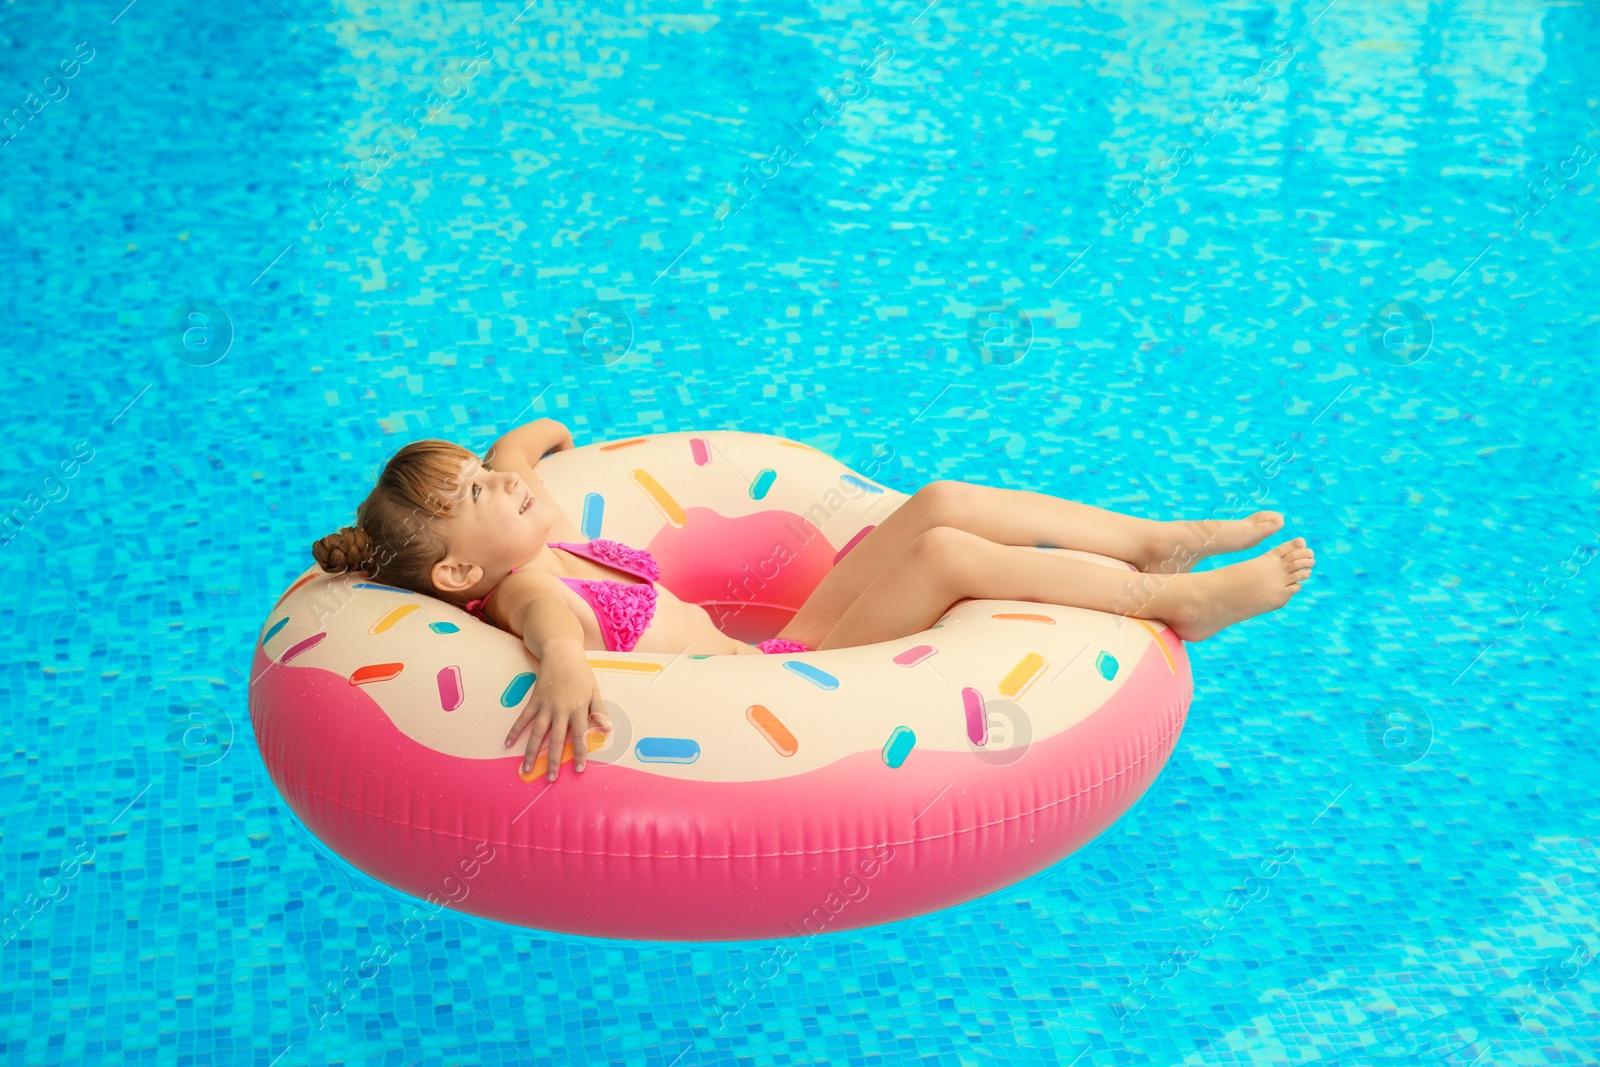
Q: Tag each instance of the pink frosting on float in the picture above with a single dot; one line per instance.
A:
(611, 853)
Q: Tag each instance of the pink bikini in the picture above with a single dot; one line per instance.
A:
(623, 609)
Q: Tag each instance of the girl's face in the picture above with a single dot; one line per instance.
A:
(496, 523)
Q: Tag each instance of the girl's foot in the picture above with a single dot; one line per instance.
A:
(1202, 538)
(1212, 600)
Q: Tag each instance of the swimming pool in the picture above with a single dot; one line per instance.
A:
(1331, 260)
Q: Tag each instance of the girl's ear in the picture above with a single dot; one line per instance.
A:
(452, 575)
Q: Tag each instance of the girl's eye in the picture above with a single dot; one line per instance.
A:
(475, 492)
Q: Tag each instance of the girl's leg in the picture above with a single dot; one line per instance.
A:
(944, 565)
(1012, 517)
(1018, 517)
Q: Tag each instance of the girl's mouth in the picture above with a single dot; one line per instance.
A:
(524, 506)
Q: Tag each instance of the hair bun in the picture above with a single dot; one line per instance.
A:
(348, 550)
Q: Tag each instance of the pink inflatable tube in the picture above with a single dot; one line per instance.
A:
(740, 796)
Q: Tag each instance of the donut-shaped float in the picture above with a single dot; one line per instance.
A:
(738, 796)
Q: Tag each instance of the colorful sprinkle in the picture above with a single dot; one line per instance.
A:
(670, 509)
(767, 724)
(392, 617)
(862, 482)
(614, 445)
(627, 666)
(517, 689)
(594, 511)
(899, 746)
(1022, 617)
(451, 694)
(1162, 645)
(280, 624)
(376, 672)
(385, 588)
(1020, 677)
(1106, 664)
(698, 449)
(977, 716)
(444, 627)
(310, 642)
(541, 763)
(848, 545)
(763, 482)
(913, 656)
(666, 750)
(820, 679)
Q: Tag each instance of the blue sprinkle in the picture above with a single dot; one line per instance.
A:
(899, 746)
(1106, 664)
(594, 512)
(863, 483)
(386, 588)
(820, 679)
(517, 689)
(444, 627)
(280, 624)
(666, 750)
(763, 482)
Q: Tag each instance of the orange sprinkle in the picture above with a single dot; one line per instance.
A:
(541, 764)
(376, 672)
(777, 734)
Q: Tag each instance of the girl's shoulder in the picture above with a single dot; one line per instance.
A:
(512, 596)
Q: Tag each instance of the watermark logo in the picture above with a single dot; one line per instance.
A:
(199, 332)
(453, 888)
(51, 488)
(1400, 333)
(46, 890)
(851, 888)
(1006, 733)
(55, 88)
(600, 334)
(823, 114)
(1000, 334)
(199, 733)
(1399, 734)
(618, 743)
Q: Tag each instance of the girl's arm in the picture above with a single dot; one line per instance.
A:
(531, 442)
(566, 695)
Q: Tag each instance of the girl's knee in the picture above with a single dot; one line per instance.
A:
(940, 501)
(942, 549)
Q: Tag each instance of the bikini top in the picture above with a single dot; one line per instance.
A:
(623, 609)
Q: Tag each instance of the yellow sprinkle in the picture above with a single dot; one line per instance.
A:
(1023, 675)
(670, 509)
(626, 665)
(393, 617)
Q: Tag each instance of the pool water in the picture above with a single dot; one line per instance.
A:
(1173, 260)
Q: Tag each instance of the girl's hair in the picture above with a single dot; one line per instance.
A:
(393, 539)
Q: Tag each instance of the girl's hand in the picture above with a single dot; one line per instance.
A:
(565, 699)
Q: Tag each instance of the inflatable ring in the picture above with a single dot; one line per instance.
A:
(737, 797)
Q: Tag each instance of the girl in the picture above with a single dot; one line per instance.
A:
(477, 534)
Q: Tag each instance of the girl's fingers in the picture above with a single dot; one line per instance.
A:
(558, 739)
(535, 739)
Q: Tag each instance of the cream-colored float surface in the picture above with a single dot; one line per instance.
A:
(1043, 666)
